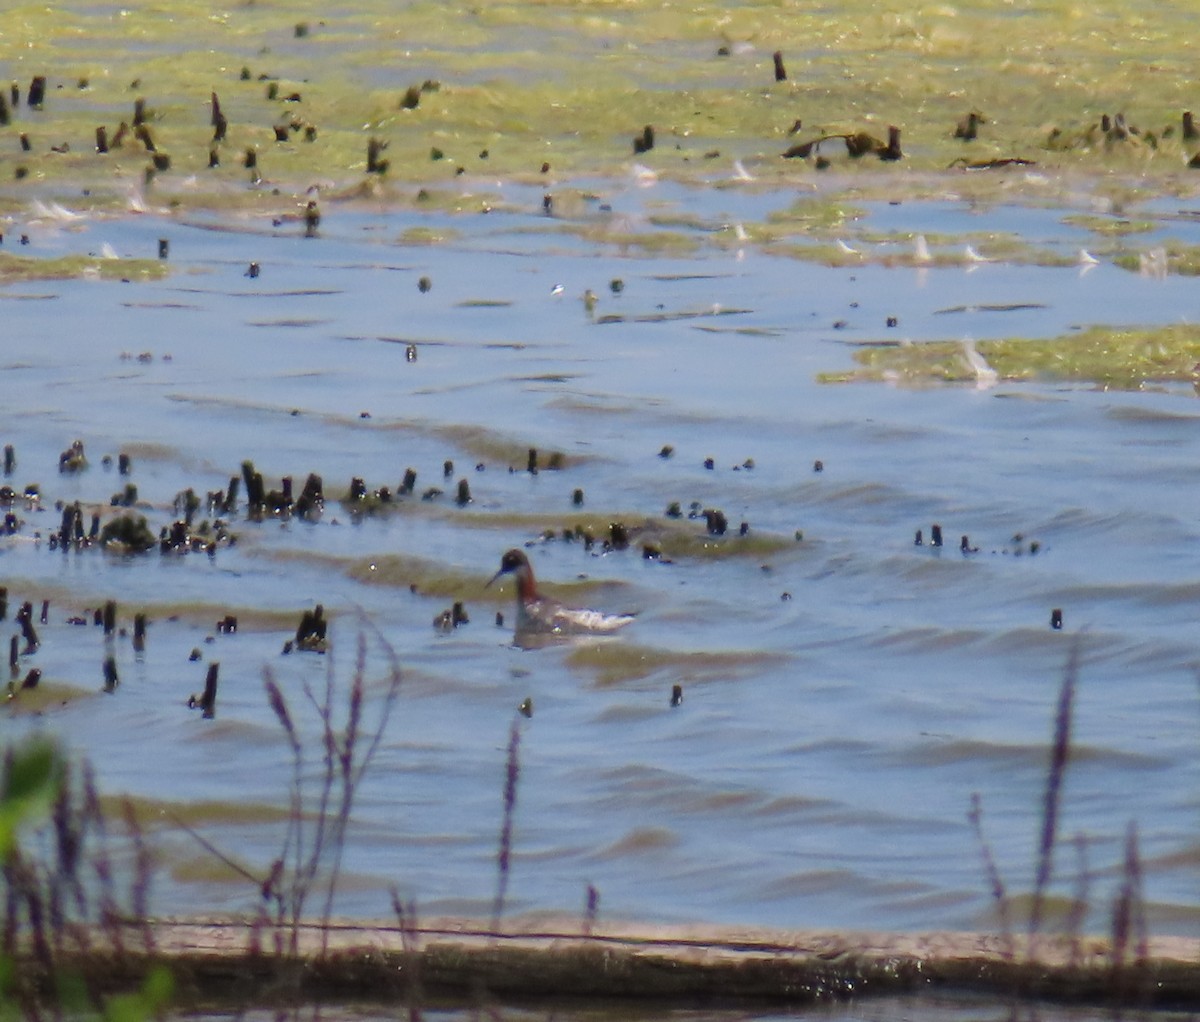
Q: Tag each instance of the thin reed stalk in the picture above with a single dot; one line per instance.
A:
(70, 898)
(318, 819)
(995, 881)
(410, 941)
(293, 835)
(1079, 903)
(1128, 917)
(512, 774)
(590, 909)
(352, 769)
(1060, 753)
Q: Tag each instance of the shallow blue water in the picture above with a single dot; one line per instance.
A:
(844, 694)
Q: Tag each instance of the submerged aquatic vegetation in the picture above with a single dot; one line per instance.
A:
(1106, 356)
(613, 663)
(15, 268)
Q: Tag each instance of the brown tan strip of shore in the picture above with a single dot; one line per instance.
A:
(551, 959)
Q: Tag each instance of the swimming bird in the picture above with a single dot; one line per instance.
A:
(541, 614)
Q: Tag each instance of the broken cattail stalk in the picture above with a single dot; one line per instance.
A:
(37, 92)
(312, 497)
(231, 496)
(102, 139)
(110, 617)
(374, 164)
(310, 634)
(139, 632)
(111, 680)
(254, 486)
(10, 459)
(780, 72)
(28, 632)
(892, 151)
(208, 700)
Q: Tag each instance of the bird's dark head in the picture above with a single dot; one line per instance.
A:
(513, 561)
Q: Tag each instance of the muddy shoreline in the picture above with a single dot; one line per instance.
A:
(455, 961)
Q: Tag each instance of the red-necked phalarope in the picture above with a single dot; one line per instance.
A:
(541, 614)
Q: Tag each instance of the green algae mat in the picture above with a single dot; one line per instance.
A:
(506, 88)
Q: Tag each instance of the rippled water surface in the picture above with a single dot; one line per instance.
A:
(845, 691)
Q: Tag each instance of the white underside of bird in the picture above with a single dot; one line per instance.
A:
(552, 618)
